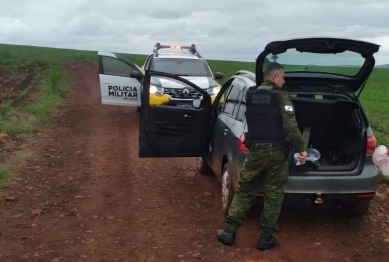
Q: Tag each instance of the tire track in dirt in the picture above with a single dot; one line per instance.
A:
(100, 202)
(43, 222)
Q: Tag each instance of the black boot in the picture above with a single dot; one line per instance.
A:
(227, 238)
(264, 244)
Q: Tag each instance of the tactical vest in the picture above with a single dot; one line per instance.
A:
(263, 117)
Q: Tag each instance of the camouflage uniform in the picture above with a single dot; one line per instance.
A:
(271, 161)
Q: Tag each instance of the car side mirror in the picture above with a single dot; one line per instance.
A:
(136, 74)
(218, 75)
(196, 103)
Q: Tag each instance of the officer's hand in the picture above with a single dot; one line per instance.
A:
(302, 156)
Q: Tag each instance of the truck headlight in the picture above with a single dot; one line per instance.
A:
(156, 90)
(213, 91)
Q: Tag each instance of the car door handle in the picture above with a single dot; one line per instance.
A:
(186, 115)
(225, 131)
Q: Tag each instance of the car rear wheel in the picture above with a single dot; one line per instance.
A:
(227, 190)
(357, 208)
(203, 167)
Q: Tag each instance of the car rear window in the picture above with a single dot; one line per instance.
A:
(347, 63)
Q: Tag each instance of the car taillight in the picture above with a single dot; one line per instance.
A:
(241, 146)
(367, 195)
(371, 145)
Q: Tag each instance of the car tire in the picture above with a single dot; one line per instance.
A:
(357, 208)
(227, 189)
(203, 167)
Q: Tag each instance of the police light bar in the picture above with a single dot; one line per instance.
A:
(191, 48)
(159, 46)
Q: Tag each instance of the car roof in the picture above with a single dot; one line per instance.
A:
(247, 76)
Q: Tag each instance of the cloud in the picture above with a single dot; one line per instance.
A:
(228, 30)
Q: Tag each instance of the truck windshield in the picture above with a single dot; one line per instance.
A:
(181, 67)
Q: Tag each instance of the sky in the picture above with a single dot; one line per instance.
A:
(221, 29)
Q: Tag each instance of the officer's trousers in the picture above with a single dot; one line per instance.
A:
(267, 163)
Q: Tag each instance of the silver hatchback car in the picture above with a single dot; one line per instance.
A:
(329, 115)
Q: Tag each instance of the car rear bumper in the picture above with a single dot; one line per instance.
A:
(327, 184)
(332, 199)
(364, 183)
(362, 186)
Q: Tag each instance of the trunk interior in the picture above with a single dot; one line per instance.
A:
(337, 131)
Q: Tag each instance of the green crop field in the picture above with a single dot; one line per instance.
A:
(16, 118)
(374, 96)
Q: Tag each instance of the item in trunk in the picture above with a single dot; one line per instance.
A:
(334, 157)
(334, 129)
(313, 155)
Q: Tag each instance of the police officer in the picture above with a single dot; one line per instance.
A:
(271, 127)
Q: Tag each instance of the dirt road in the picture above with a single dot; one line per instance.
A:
(86, 196)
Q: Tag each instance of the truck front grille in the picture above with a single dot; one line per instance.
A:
(183, 93)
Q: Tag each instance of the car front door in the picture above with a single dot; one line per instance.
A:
(170, 131)
(116, 85)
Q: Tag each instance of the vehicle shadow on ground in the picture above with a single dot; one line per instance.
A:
(317, 218)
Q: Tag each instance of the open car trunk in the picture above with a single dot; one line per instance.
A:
(336, 129)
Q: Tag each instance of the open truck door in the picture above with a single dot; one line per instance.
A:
(116, 85)
(174, 129)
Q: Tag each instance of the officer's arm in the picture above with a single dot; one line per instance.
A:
(290, 124)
